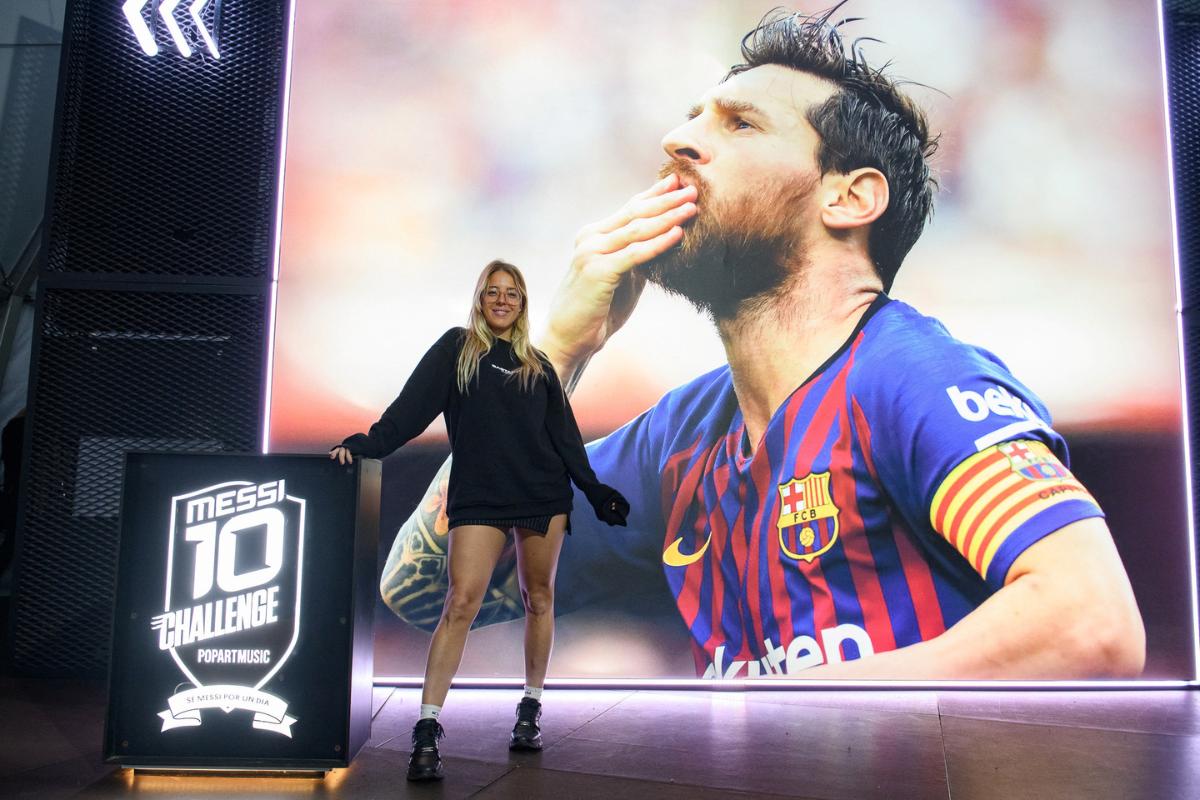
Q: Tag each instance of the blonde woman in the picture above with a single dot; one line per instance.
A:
(516, 449)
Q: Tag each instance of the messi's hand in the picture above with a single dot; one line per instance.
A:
(601, 287)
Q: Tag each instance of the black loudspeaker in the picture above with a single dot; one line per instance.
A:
(1181, 32)
(242, 630)
(168, 165)
(156, 284)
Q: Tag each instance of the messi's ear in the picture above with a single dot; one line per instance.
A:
(854, 199)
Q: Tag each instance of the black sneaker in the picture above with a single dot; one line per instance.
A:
(526, 734)
(425, 764)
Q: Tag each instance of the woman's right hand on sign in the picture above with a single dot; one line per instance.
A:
(341, 454)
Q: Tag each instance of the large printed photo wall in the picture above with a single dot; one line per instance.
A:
(427, 139)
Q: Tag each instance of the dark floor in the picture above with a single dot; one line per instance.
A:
(683, 744)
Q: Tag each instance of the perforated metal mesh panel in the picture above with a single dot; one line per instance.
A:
(1182, 7)
(1183, 57)
(119, 371)
(1182, 29)
(167, 164)
(164, 174)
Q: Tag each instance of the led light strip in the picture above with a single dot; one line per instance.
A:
(194, 10)
(1187, 447)
(795, 683)
(142, 31)
(145, 37)
(274, 299)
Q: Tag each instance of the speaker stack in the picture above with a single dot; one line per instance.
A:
(156, 286)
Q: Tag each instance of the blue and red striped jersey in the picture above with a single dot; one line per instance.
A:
(889, 496)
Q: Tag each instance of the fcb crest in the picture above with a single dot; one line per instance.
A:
(1033, 460)
(808, 517)
(232, 610)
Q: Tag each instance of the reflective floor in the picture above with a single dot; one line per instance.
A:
(648, 744)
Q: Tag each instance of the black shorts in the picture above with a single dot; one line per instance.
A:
(536, 524)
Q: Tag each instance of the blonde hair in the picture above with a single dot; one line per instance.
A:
(479, 338)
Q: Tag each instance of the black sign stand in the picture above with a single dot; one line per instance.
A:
(242, 629)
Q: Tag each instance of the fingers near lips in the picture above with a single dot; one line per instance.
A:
(647, 226)
(644, 229)
(649, 204)
(664, 184)
(652, 206)
(644, 219)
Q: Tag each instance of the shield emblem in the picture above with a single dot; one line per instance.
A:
(808, 517)
(1033, 460)
(234, 566)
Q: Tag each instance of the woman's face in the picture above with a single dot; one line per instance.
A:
(502, 303)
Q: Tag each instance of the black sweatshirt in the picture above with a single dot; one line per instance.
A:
(515, 451)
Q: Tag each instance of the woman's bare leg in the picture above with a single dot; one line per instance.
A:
(474, 551)
(537, 562)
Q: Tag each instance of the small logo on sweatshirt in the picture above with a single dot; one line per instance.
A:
(502, 369)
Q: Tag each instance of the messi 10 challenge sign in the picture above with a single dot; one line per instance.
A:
(244, 600)
(231, 622)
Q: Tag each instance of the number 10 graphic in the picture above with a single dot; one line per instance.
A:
(216, 553)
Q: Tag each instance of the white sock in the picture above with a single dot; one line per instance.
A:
(536, 694)
(430, 711)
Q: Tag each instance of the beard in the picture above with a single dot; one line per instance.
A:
(734, 255)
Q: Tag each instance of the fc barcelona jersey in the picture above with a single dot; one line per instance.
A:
(889, 496)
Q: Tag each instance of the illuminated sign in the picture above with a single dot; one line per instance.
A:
(200, 22)
(242, 627)
(235, 562)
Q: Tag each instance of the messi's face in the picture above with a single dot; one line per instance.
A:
(751, 154)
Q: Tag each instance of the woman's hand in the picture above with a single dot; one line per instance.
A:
(342, 455)
(612, 507)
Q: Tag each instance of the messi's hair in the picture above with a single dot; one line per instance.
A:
(867, 122)
(479, 337)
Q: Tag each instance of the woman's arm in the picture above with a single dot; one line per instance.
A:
(424, 396)
(568, 443)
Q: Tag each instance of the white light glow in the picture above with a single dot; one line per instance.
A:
(167, 12)
(133, 13)
(274, 298)
(195, 9)
(1187, 449)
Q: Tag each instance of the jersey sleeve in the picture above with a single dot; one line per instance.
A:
(424, 396)
(600, 562)
(968, 452)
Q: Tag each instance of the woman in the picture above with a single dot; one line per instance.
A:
(516, 448)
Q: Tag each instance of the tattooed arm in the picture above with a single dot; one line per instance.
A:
(598, 564)
(414, 576)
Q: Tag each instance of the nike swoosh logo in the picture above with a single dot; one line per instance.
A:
(672, 556)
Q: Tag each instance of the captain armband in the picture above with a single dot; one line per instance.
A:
(990, 496)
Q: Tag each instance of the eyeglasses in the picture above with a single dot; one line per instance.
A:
(511, 295)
